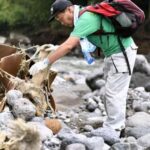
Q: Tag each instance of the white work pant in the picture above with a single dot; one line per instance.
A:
(117, 83)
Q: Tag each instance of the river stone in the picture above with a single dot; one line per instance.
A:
(51, 144)
(147, 87)
(139, 119)
(5, 118)
(144, 141)
(91, 105)
(45, 133)
(125, 146)
(12, 96)
(137, 131)
(24, 109)
(76, 146)
(69, 137)
(142, 65)
(109, 135)
(93, 78)
(141, 106)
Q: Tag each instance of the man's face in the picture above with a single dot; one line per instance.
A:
(65, 17)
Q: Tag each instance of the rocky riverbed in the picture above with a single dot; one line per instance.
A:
(78, 91)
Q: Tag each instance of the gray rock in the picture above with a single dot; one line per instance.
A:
(12, 96)
(52, 144)
(88, 119)
(144, 141)
(87, 128)
(137, 131)
(130, 139)
(93, 143)
(125, 146)
(147, 87)
(139, 79)
(45, 133)
(141, 106)
(145, 95)
(5, 118)
(91, 105)
(24, 109)
(109, 135)
(138, 119)
(76, 146)
(38, 119)
(92, 80)
(142, 65)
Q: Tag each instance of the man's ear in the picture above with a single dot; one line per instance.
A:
(69, 9)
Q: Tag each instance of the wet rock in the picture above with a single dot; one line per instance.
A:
(138, 119)
(91, 105)
(147, 87)
(38, 119)
(87, 128)
(94, 81)
(126, 146)
(142, 65)
(26, 111)
(137, 132)
(93, 120)
(5, 118)
(141, 106)
(45, 133)
(139, 79)
(130, 139)
(12, 96)
(144, 141)
(92, 143)
(76, 146)
(17, 38)
(109, 135)
(51, 144)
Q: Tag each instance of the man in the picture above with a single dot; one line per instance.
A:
(116, 71)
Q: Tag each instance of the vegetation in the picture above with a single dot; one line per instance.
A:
(14, 13)
(31, 18)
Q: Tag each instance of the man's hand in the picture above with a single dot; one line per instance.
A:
(39, 66)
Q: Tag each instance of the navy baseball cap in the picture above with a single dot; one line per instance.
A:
(57, 7)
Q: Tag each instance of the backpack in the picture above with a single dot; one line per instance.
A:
(124, 15)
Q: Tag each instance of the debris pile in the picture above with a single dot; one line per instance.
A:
(24, 97)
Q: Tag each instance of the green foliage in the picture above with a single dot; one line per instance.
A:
(20, 12)
(34, 13)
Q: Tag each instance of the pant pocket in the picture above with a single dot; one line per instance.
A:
(119, 63)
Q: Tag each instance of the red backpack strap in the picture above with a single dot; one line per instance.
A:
(102, 8)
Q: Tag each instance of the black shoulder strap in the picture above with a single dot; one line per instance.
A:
(125, 55)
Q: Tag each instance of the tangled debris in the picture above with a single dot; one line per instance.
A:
(25, 96)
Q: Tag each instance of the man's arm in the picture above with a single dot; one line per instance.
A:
(64, 49)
